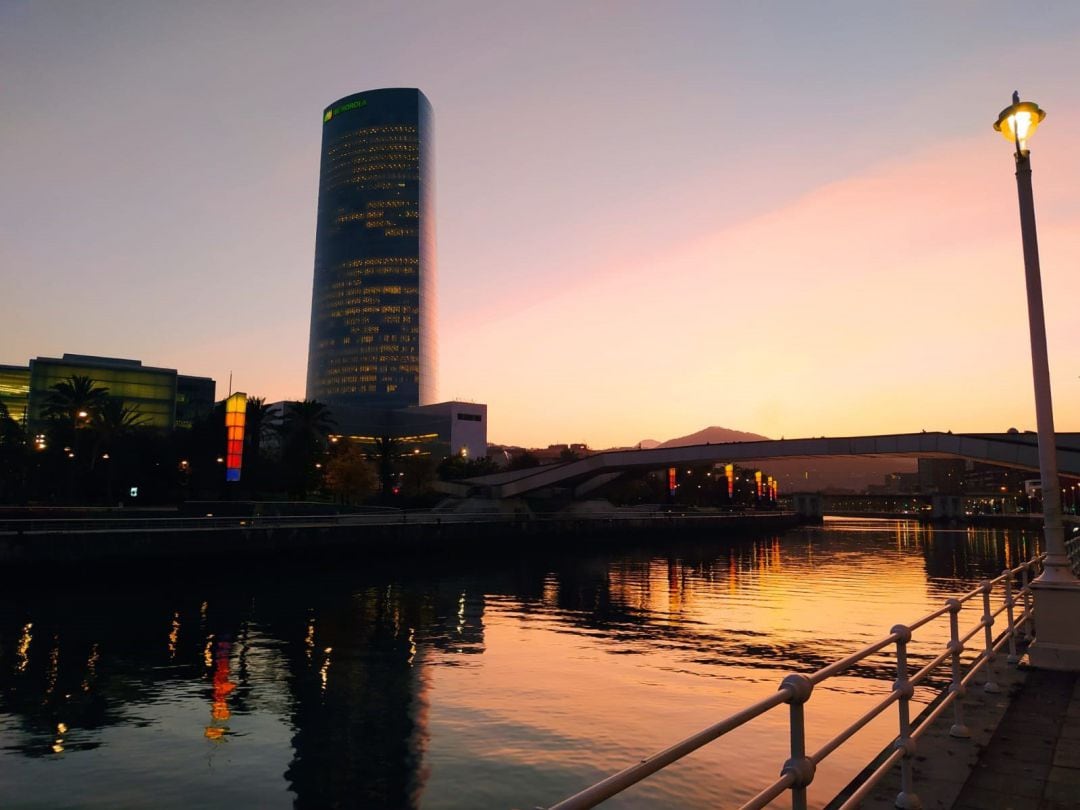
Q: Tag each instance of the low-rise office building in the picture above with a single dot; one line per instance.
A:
(163, 397)
(441, 429)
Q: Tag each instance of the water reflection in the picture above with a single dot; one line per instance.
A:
(483, 682)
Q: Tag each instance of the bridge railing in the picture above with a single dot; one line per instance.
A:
(797, 773)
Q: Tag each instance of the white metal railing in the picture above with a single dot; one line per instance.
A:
(795, 690)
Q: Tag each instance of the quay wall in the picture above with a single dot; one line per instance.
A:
(39, 545)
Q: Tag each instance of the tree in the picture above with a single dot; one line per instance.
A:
(112, 420)
(349, 476)
(13, 456)
(305, 430)
(385, 453)
(75, 400)
(457, 467)
(417, 473)
(523, 461)
(110, 423)
(308, 422)
(258, 426)
(70, 407)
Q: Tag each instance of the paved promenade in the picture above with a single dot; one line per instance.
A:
(1024, 751)
(1033, 759)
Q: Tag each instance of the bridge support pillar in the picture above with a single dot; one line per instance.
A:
(946, 507)
(809, 506)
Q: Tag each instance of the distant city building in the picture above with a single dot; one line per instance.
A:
(442, 429)
(164, 398)
(373, 342)
(15, 391)
(561, 452)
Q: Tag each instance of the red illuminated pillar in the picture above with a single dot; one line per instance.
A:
(235, 417)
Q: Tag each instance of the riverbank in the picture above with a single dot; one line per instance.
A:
(46, 543)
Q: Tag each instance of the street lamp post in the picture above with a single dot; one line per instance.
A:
(1057, 602)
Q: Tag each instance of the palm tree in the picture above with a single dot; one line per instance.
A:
(70, 406)
(306, 427)
(75, 400)
(258, 424)
(308, 422)
(385, 454)
(13, 456)
(110, 422)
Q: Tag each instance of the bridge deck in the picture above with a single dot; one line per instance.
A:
(1017, 450)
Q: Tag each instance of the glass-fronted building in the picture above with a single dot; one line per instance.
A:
(373, 342)
(15, 391)
(164, 398)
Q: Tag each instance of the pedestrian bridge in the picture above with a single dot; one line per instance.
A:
(1017, 450)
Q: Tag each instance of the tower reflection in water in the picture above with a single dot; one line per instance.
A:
(343, 662)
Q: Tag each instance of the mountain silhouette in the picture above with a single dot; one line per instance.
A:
(803, 474)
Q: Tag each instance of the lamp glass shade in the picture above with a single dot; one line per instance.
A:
(1018, 122)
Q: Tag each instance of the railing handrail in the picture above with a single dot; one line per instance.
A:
(798, 771)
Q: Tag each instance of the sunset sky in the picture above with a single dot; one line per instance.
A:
(786, 218)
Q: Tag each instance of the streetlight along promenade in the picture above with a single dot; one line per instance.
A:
(1057, 591)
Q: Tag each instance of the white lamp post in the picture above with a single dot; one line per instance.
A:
(1057, 590)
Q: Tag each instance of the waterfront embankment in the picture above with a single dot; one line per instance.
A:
(90, 540)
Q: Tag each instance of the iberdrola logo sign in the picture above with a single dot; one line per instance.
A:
(333, 112)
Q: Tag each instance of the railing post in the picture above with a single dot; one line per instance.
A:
(988, 622)
(1008, 575)
(1025, 579)
(959, 727)
(907, 798)
(799, 765)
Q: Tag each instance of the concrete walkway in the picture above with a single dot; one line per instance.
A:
(1024, 750)
(1033, 759)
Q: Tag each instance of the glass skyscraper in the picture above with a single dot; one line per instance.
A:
(373, 341)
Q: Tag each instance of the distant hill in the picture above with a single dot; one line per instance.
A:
(714, 435)
(647, 444)
(804, 474)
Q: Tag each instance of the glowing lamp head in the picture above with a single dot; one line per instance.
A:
(1018, 122)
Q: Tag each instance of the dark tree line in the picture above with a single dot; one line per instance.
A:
(94, 449)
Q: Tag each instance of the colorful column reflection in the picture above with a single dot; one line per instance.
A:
(223, 687)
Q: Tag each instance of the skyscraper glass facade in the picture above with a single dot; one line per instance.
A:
(373, 340)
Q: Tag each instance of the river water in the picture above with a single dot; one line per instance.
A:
(508, 681)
